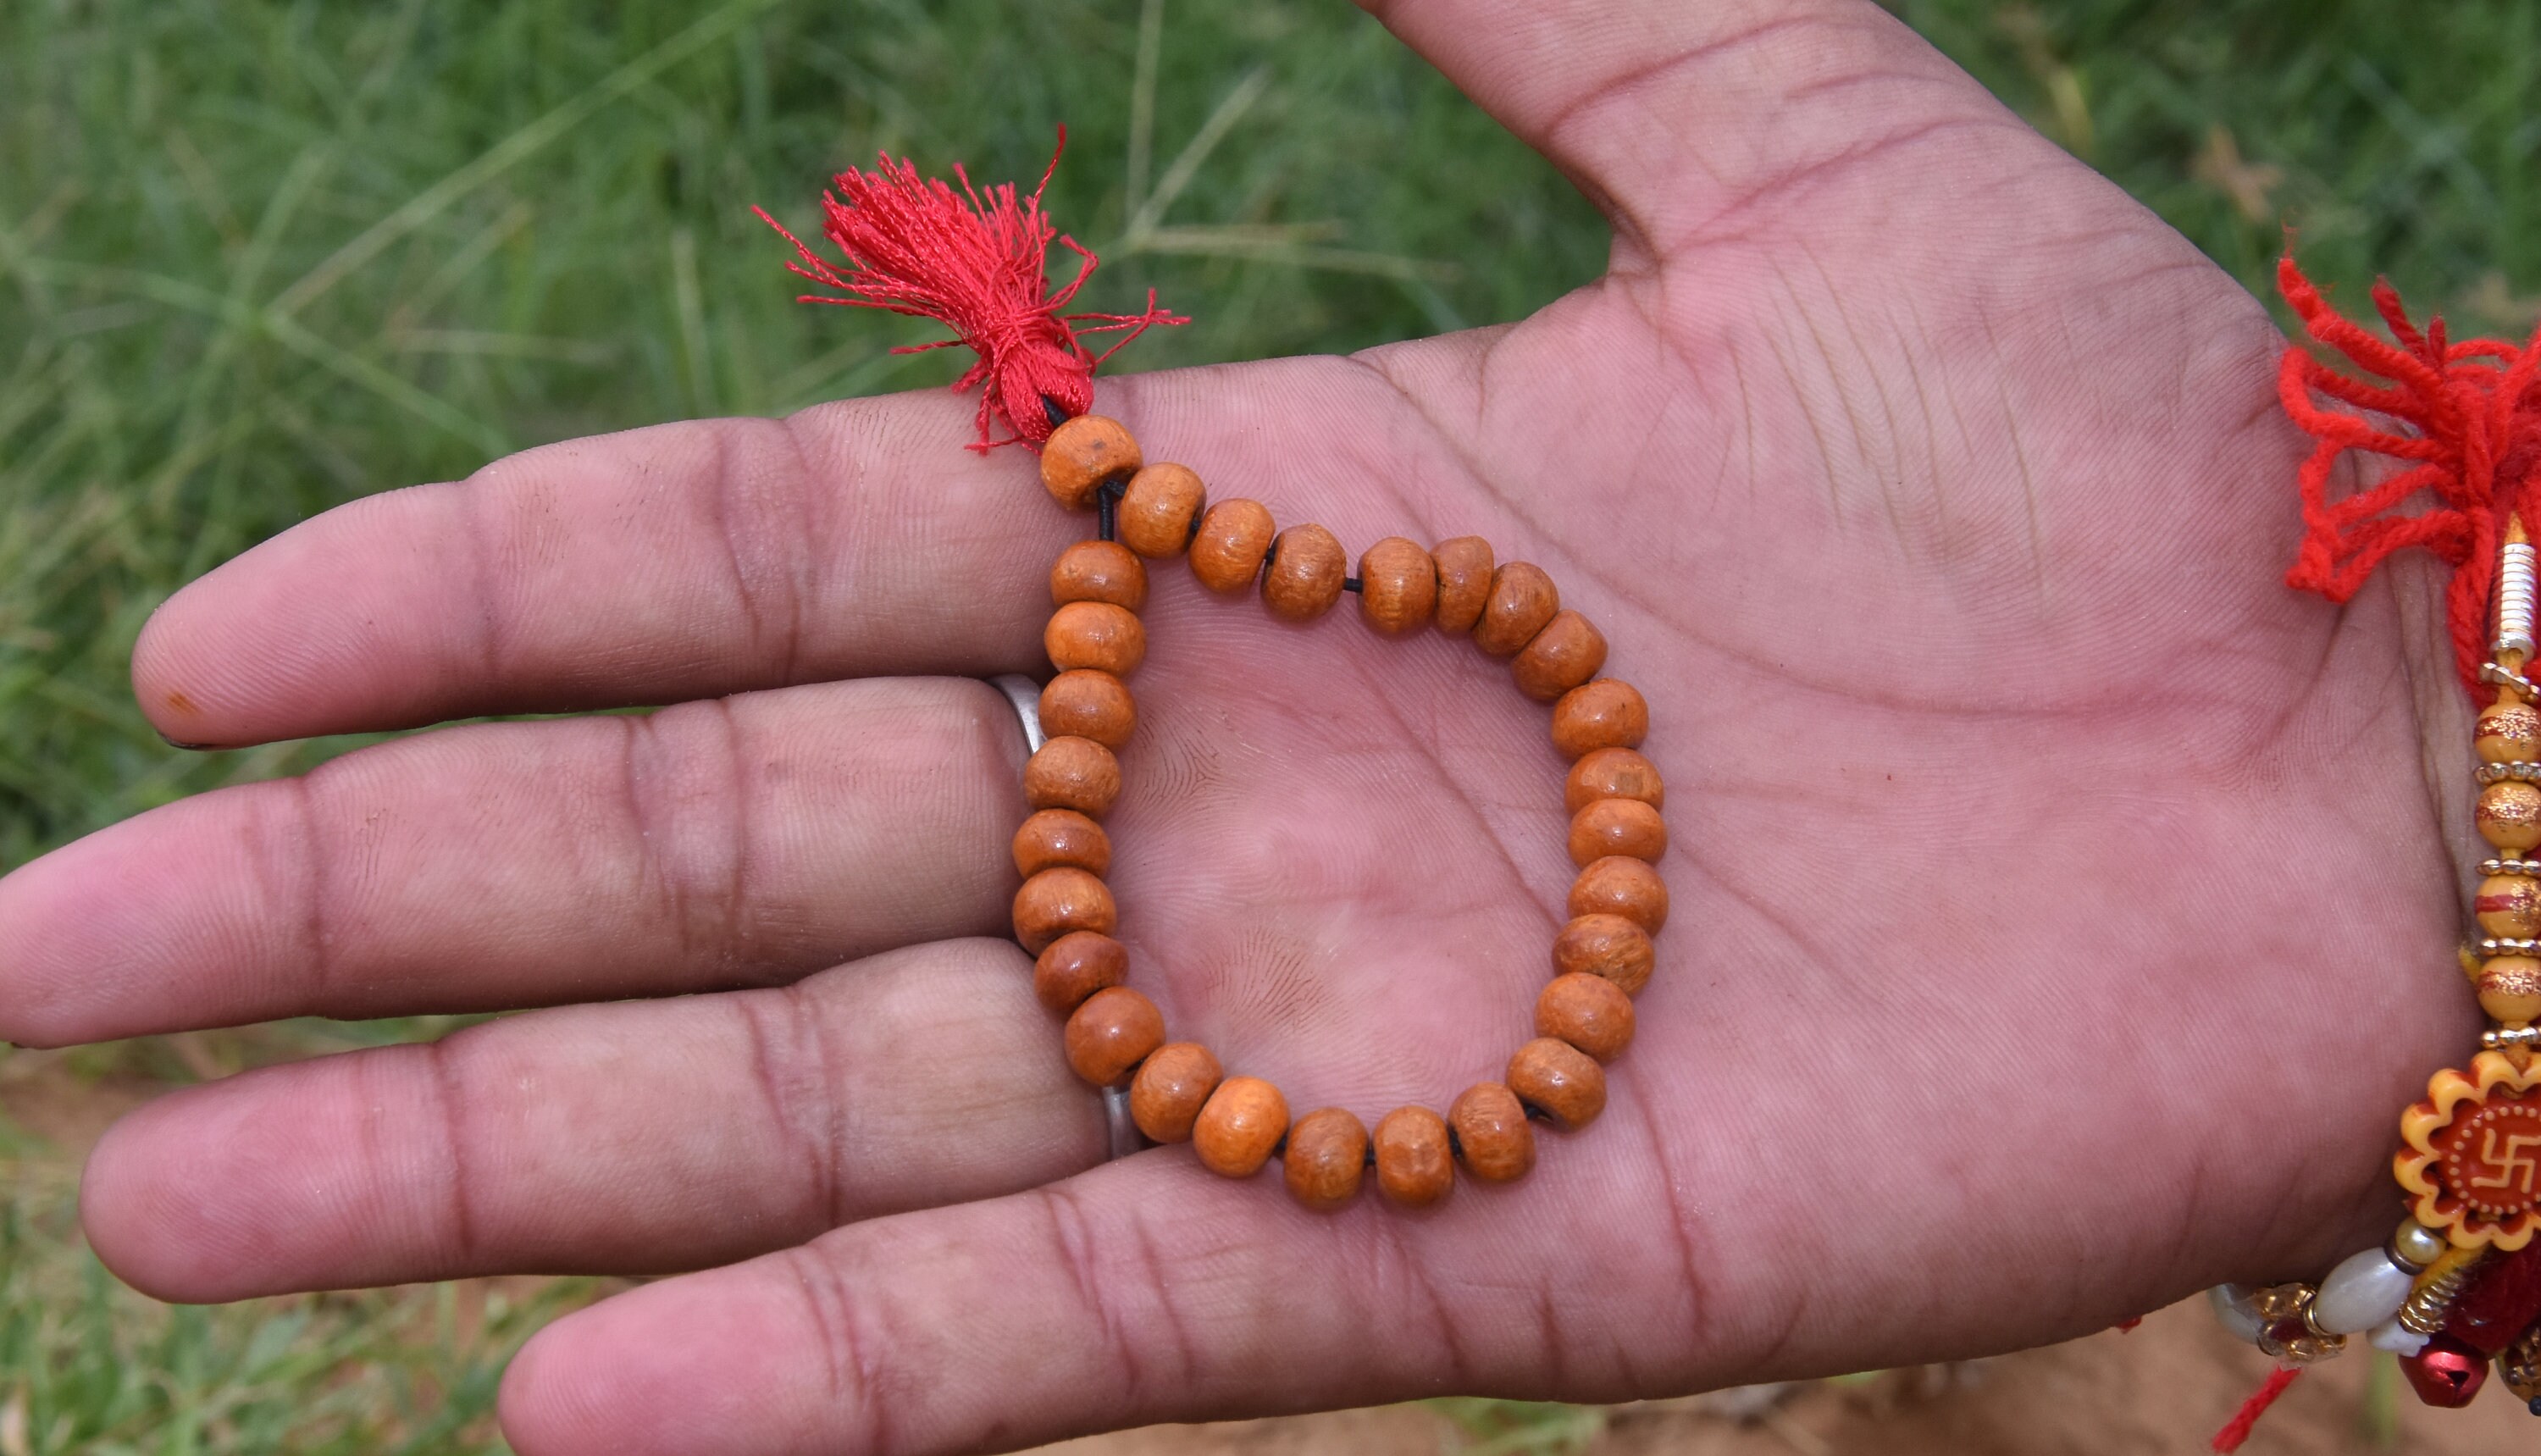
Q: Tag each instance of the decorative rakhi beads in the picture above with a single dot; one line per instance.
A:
(1065, 915)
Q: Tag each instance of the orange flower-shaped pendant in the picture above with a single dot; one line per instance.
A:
(2473, 1160)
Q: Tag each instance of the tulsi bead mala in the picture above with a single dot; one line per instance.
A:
(1065, 915)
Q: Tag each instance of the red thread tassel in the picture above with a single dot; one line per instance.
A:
(2237, 1430)
(980, 262)
(2468, 419)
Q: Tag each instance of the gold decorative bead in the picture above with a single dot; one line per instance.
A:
(2510, 990)
(2509, 906)
(2510, 733)
(1084, 454)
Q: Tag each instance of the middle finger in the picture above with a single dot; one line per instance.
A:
(740, 841)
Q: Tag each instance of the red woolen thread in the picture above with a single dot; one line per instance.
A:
(2467, 414)
(2237, 1430)
(980, 262)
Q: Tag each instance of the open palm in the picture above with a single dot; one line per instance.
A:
(2057, 909)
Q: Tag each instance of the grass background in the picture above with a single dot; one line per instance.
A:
(261, 256)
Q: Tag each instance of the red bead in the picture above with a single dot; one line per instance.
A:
(2502, 1299)
(2446, 1373)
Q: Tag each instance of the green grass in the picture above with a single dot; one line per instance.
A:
(261, 257)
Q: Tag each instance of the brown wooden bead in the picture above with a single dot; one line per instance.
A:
(1072, 774)
(1398, 586)
(1522, 600)
(2509, 906)
(1326, 1154)
(1239, 1125)
(1098, 571)
(1053, 837)
(1624, 827)
(1083, 454)
(1112, 1033)
(1464, 582)
(2509, 732)
(1160, 510)
(1056, 901)
(1606, 714)
(1589, 1012)
(1613, 774)
(1095, 634)
(1559, 1080)
(1171, 1086)
(1088, 702)
(1566, 653)
(1304, 577)
(2508, 815)
(1416, 1164)
(1620, 885)
(1076, 965)
(1605, 945)
(1234, 536)
(1491, 1132)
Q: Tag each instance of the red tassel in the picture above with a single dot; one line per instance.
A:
(2468, 414)
(2237, 1430)
(978, 263)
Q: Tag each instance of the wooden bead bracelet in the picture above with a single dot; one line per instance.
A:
(1065, 915)
(977, 260)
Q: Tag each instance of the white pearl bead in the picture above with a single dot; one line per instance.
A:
(2232, 1308)
(2364, 1289)
(2417, 1244)
(2398, 1339)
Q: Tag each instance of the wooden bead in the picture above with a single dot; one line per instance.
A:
(1053, 837)
(1083, 454)
(2509, 906)
(1072, 774)
(1464, 582)
(1076, 965)
(1234, 536)
(1416, 1164)
(2509, 988)
(2508, 815)
(1522, 600)
(1587, 1011)
(1624, 827)
(1491, 1132)
(1620, 885)
(2510, 733)
(1559, 1080)
(1088, 702)
(1398, 586)
(1606, 714)
(1160, 510)
(1326, 1154)
(1613, 774)
(1095, 634)
(1098, 571)
(1304, 577)
(1171, 1086)
(1239, 1125)
(1566, 653)
(1112, 1033)
(1056, 901)
(1605, 945)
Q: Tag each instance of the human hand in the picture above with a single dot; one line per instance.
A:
(2058, 917)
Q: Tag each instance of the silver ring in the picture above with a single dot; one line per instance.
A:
(1120, 1129)
(1025, 695)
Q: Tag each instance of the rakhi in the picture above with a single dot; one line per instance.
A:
(2459, 1283)
(977, 262)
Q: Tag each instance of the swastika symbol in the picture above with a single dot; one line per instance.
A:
(2514, 1168)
